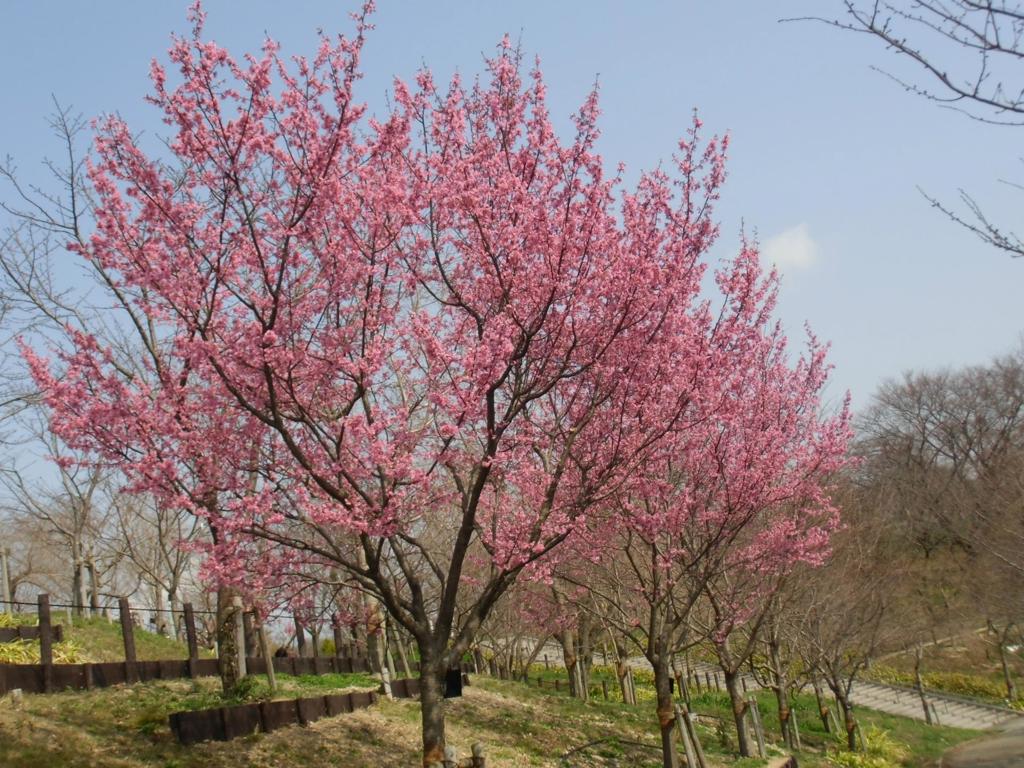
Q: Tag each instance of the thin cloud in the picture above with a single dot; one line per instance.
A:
(793, 248)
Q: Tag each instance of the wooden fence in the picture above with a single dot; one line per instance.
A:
(226, 723)
(47, 677)
(11, 634)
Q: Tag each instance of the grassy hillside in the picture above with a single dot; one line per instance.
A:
(91, 640)
(125, 727)
(521, 725)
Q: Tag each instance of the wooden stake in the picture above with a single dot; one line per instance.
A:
(755, 714)
(684, 734)
(691, 729)
(5, 580)
(236, 605)
(193, 643)
(131, 671)
(45, 641)
(796, 729)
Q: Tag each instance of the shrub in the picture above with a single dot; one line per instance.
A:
(882, 751)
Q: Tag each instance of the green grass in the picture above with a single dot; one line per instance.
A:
(102, 641)
(93, 640)
(521, 725)
(98, 639)
(924, 743)
(128, 725)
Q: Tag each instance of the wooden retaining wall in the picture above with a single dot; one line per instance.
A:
(226, 723)
(409, 687)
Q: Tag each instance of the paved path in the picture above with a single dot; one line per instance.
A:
(1003, 750)
(894, 700)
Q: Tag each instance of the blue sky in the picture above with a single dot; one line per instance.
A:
(826, 160)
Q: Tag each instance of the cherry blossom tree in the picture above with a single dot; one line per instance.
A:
(737, 498)
(390, 346)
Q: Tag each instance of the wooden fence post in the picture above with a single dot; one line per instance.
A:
(45, 642)
(5, 580)
(604, 689)
(193, 642)
(131, 670)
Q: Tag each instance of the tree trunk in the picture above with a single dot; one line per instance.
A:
(782, 695)
(227, 638)
(374, 647)
(432, 705)
(785, 721)
(666, 712)
(586, 654)
(160, 617)
(78, 584)
(568, 642)
(919, 684)
(849, 720)
(622, 672)
(175, 611)
(1011, 688)
(822, 706)
(94, 588)
(402, 657)
(529, 660)
(739, 711)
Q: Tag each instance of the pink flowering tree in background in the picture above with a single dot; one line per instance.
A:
(735, 496)
(400, 344)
